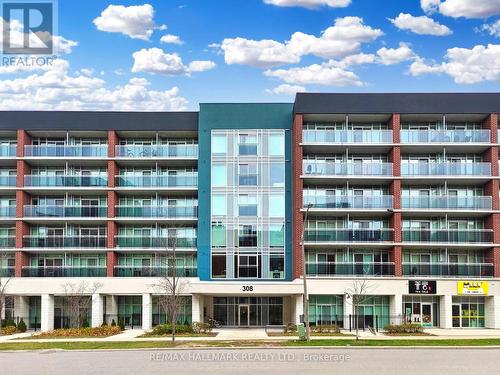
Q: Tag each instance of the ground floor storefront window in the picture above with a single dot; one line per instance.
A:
(74, 311)
(130, 310)
(160, 315)
(326, 310)
(372, 312)
(468, 312)
(248, 311)
(423, 310)
(35, 312)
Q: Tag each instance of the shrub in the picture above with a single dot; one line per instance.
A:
(21, 326)
(325, 329)
(166, 329)
(8, 323)
(290, 328)
(104, 324)
(85, 323)
(81, 332)
(9, 330)
(121, 324)
(113, 323)
(201, 327)
(404, 328)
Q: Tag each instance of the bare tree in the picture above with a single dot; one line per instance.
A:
(77, 300)
(4, 282)
(358, 293)
(171, 287)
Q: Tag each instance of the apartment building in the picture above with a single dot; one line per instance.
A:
(399, 192)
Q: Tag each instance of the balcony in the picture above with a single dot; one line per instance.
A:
(65, 211)
(446, 169)
(64, 271)
(448, 235)
(154, 241)
(331, 269)
(7, 271)
(347, 136)
(7, 211)
(7, 241)
(447, 203)
(8, 180)
(139, 181)
(100, 180)
(350, 202)
(8, 150)
(445, 136)
(154, 271)
(157, 151)
(52, 241)
(349, 235)
(157, 211)
(69, 151)
(448, 269)
(332, 168)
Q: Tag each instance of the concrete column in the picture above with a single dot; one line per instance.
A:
(146, 311)
(445, 315)
(97, 310)
(396, 309)
(47, 318)
(299, 308)
(197, 304)
(111, 309)
(21, 308)
(492, 312)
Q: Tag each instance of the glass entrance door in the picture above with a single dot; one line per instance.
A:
(456, 313)
(427, 315)
(243, 315)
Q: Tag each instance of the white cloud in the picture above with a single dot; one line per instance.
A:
(465, 66)
(58, 90)
(286, 89)
(493, 29)
(311, 4)
(156, 61)
(392, 56)
(136, 21)
(421, 25)
(172, 39)
(462, 8)
(342, 39)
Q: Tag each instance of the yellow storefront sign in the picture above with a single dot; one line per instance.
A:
(473, 287)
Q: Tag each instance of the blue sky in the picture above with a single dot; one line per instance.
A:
(112, 56)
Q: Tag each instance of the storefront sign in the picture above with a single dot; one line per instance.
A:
(422, 287)
(473, 287)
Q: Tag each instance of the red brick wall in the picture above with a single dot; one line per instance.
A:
(22, 259)
(113, 171)
(113, 140)
(491, 123)
(112, 203)
(395, 126)
(297, 219)
(396, 254)
(111, 262)
(22, 199)
(23, 139)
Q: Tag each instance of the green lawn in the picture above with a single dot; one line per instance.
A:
(397, 342)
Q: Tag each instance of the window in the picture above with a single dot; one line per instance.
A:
(277, 175)
(218, 266)
(276, 145)
(277, 235)
(276, 205)
(248, 236)
(247, 144)
(247, 174)
(219, 175)
(247, 205)
(219, 205)
(219, 145)
(218, 235)
(247, 266)
(277, 266)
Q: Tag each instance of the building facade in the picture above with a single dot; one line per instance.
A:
(397, 194)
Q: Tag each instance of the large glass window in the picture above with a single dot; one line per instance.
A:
(248, 236)
(277, 235)
(219, 205)
(276, 205)
(247, 205)
(219, 144)
(276, 145)
(277, 174)
(219, 175)
(247, 144)
(218, 235)
(219, 266)
(247, 266)
(247, 174)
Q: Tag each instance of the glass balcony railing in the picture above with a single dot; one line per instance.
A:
(350, 201)
(64, 241)
(349, 235)
(7, 271)
(448, 203)
(7, 211)
(65, 211)
(8, 150)
(66, 150)
(448, 269)
(347, 136)
(448, 235)
(312, 168)
(157, 211)
(154, 271)
(8, 180)
(64, 271)
(63, 181)
(7, 241)
(155, 242)
(157, 181)
(446, 169)
(350, 269)
(157, 151)
(445, 136)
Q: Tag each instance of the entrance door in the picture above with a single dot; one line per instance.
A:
(456, 312)
(243, 315)
(427, 315)
(90, 207)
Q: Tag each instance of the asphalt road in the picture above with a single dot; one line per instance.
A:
(255, 361)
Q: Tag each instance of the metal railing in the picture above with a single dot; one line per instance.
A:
(66, 150)
(95, 180)
(347, 136)
(7, 271)
(350, 201)
(445, 136)
(312, 168)
(349, 235)
(63, 271)
(448, 202)
(7, 211)
(448, 269)
(153, 151)
(8, 150)
(157, 181)
(153, 271)
(65, 241)
(64, 211)
(350, 269)
(155, 242)
(448, 235)
(157, 211)
(446, 169)
(8, 180)
(7, 241)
